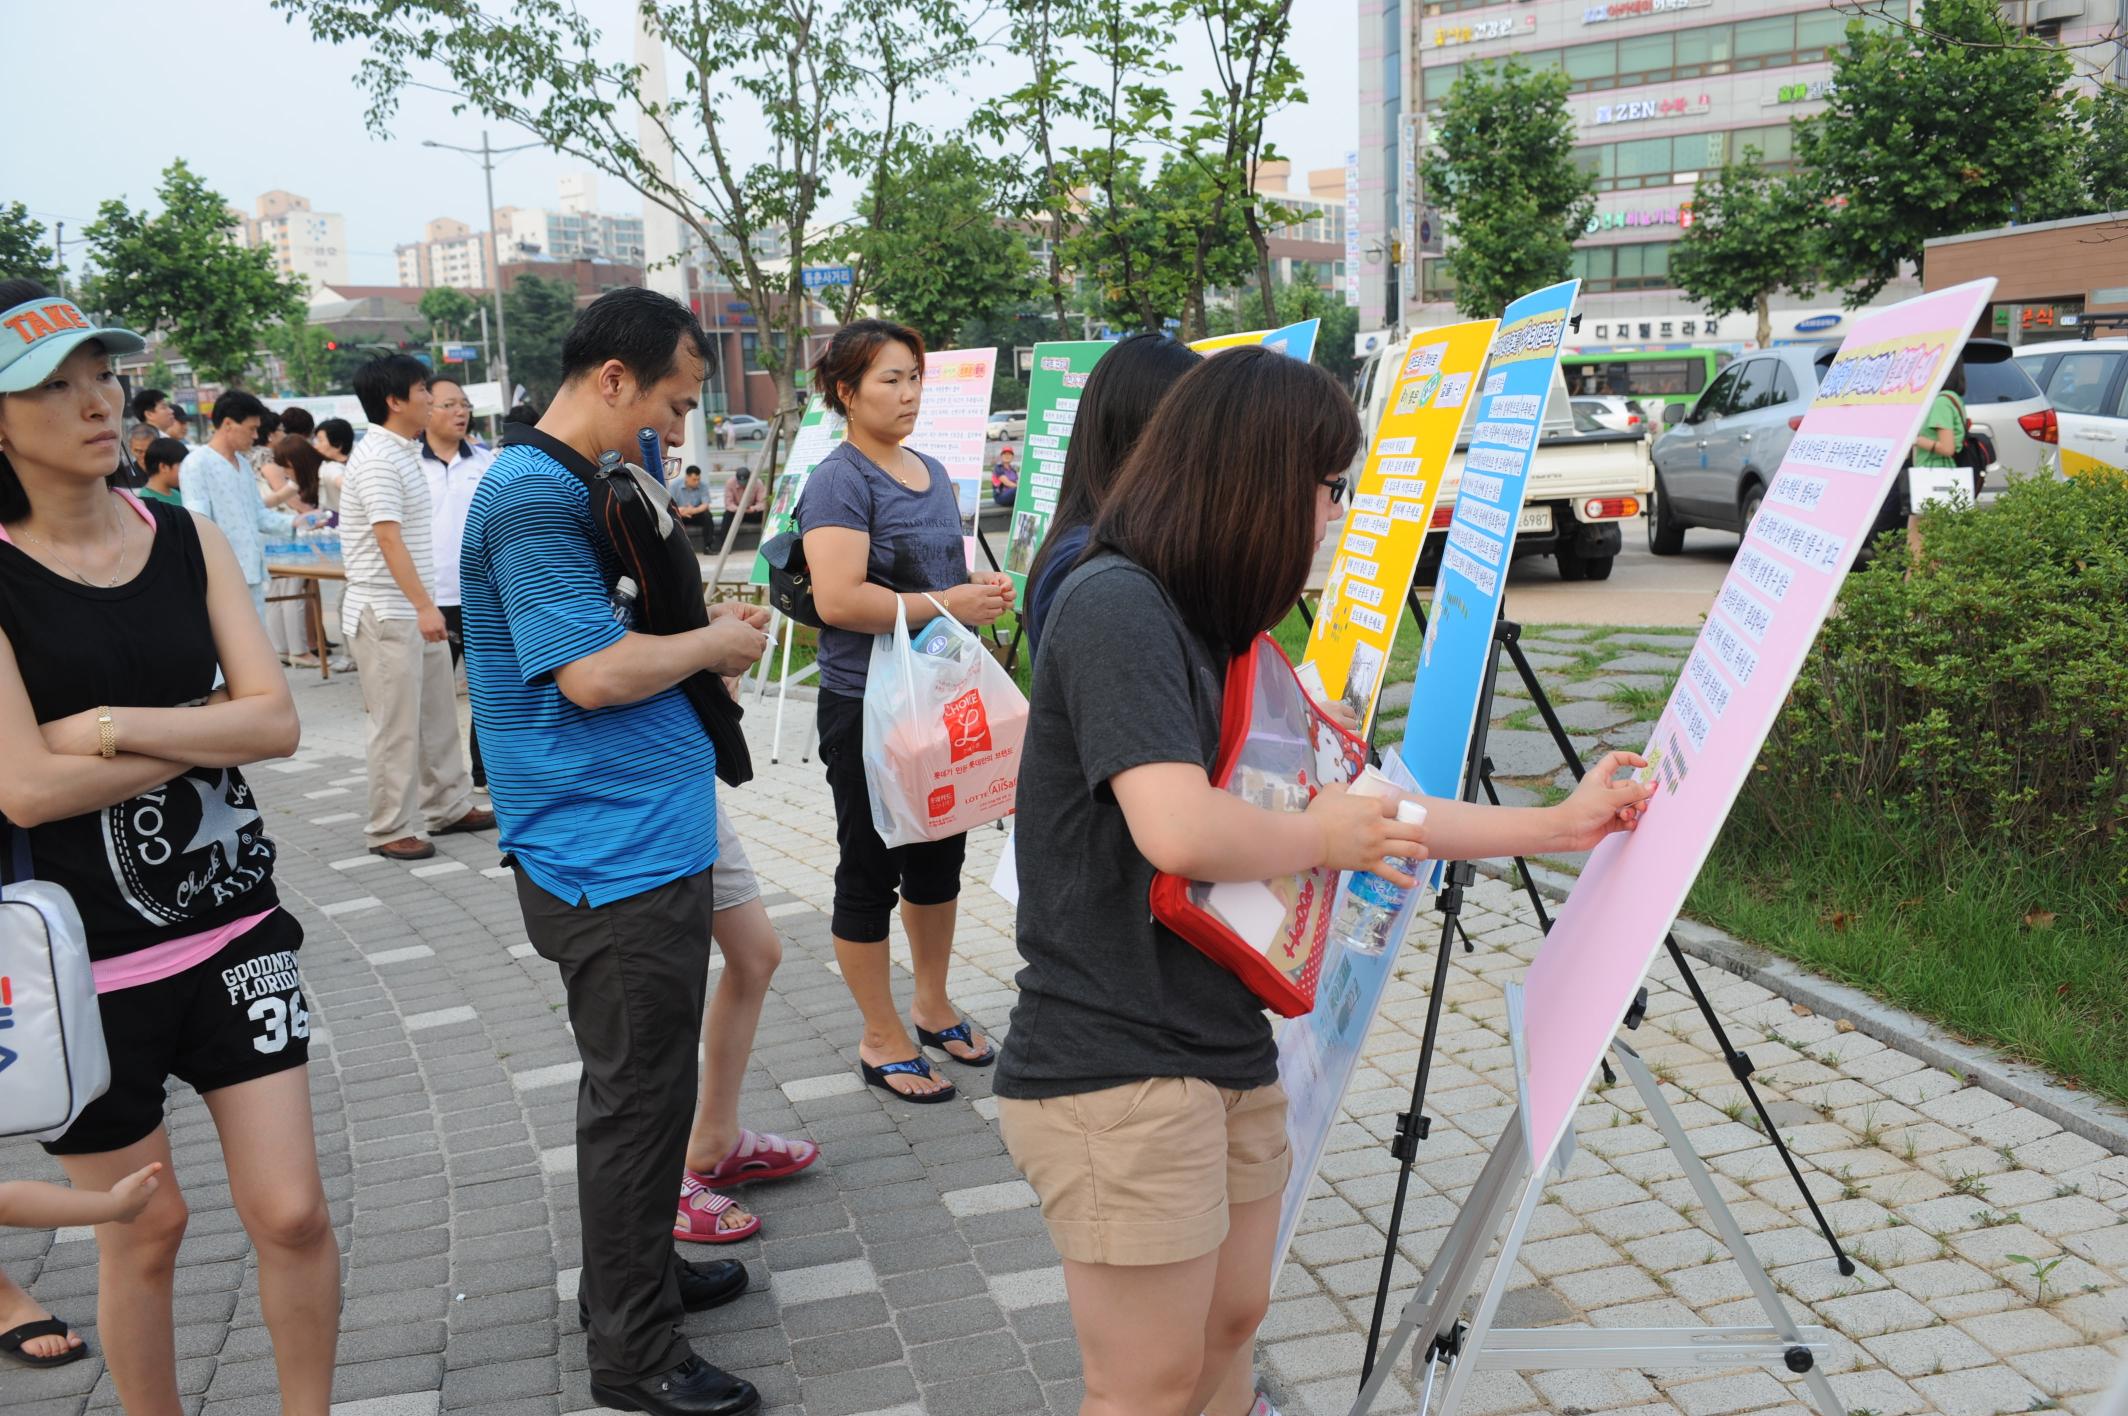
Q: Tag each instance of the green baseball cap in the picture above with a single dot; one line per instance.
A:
(37, 335)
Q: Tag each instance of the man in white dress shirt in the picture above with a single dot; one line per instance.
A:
(453, 463)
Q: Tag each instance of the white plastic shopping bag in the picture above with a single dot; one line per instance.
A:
(942, 732)
(52, 1057)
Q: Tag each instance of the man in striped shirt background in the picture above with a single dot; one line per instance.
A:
(417, 774)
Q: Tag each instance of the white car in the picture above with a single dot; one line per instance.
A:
(2086, 381)
(746, 427)
(1007, 424)
(1620, 415)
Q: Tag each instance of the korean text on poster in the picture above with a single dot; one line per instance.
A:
(1458, 652)
(1385, 523)
(1824, 498)
(953, 422)
(1054, 385)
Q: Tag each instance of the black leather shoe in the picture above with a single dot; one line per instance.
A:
(708, 1284)
(694, 1388)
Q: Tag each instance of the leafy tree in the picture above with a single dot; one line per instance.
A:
(306, 362)
(936, 253)
(1957, 123)
(1223, 136)
(23, 254)
(449, 311)
(1137, 244)
(1751, 234)
(1505, 175)
(452, 316)
(827, 86)
(182, 272)
(1115, 235)
(1032, 114)
(2103, 161)
(540, 313)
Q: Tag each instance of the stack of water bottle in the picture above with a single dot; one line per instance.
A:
(316, 537)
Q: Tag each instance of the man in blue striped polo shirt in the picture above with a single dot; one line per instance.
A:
(604, 783)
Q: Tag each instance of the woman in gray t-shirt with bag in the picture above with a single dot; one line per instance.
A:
(882, 522)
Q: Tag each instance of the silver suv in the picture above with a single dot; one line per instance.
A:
(1712, 463)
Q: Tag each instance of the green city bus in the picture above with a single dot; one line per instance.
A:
(1653, 377)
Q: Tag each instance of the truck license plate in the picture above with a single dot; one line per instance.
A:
(1534, 518)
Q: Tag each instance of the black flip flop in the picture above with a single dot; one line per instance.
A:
(964, 1034)
(914, 1067)
(13, 1340)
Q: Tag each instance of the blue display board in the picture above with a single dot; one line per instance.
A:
(1295, 339)
(1458, 653)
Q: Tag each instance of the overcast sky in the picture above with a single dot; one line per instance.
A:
(290, 117)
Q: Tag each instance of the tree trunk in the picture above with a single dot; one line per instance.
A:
(1262, 242)
(1765, 322)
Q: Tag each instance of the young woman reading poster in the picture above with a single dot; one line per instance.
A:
(1139, 1078)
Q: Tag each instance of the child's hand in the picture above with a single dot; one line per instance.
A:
(132, 1193)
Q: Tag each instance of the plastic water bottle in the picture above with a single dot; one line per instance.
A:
(1371, 902)
(623, 602)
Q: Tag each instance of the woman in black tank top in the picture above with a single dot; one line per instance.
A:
(124, 759)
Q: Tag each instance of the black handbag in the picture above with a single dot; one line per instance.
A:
(633, 510)
(790, 583)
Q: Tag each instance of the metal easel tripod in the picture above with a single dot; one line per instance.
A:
(1412, 1124)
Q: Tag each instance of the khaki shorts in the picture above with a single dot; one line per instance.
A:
(1144, 1173)
(731, 879)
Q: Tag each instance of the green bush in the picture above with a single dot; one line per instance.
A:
(1980, 701)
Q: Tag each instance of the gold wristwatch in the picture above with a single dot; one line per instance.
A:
(106, 734)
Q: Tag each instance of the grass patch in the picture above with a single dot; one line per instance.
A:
(2025, 954)
(1640, 702)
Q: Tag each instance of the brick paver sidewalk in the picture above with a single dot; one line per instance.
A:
(908, 1272)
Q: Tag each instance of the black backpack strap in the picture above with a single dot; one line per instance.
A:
(17, 867)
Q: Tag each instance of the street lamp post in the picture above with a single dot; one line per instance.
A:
(487, 156)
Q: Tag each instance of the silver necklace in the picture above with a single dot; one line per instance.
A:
(124, 534)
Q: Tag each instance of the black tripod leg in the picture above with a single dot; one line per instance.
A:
(1412, 1125)
(1740, 1068)
(1739, 1064)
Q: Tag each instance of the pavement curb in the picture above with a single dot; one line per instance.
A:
(2079, 1113)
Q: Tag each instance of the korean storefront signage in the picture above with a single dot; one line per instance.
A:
(1641, 109)
(1479, 31)
(1679, 215)
(1801, 93)
(1635, 9)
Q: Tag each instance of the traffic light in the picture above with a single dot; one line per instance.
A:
(332, 346)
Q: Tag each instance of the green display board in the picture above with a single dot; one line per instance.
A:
(818, 433)
(1053, 387)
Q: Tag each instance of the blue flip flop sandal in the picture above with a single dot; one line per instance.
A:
(914, 1067)
(962, 1033)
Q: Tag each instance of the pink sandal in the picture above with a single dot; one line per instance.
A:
(757, 1157)
(700, 1217)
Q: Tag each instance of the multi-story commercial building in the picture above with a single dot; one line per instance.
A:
(306, 245)
(1308, 247)
(452, 253)
(448, 253)
(1663, 92)
(579, 231)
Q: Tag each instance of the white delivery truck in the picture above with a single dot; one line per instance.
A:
(1585, 482)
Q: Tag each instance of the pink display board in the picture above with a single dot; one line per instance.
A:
(951, 425)
(1817, 512)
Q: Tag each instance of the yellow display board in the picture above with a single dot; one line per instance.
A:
(1390, 508)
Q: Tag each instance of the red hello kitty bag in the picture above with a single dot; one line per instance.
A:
(1276, 750)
